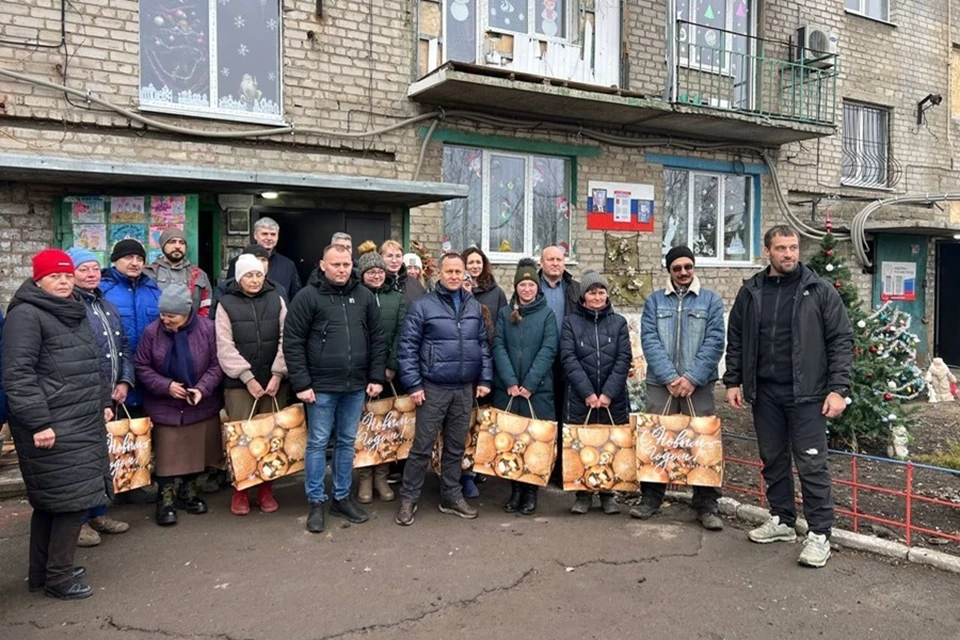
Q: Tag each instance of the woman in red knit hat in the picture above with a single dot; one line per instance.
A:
(57, 397)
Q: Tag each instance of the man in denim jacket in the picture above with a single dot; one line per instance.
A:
(682, 334)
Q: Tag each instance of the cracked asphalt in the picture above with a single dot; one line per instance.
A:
(556, 575)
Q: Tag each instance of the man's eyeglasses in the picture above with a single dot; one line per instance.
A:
(681, 267)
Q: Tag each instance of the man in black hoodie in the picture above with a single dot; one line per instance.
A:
(336, 355)
(789, 354)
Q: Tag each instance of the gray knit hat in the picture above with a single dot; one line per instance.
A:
(370, 260)
(590, 278)
(170, 233)
(175, 299)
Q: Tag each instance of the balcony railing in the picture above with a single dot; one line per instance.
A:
(718, 69)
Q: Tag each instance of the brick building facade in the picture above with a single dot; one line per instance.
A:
(466, 121)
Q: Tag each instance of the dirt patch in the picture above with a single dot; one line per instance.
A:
(937, 425)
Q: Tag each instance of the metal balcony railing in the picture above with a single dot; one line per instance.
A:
(734, 72)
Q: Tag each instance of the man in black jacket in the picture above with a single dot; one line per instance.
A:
(789, 354)
(443, 352)
(283, 271)
(336, 355)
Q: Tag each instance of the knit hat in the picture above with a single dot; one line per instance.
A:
(79, 255)
(679, 251)
(413, 260)
(171, 233)
(370, 260)
(50, 261)
(175, 299)
(591, 278)
(127, 247)
(526, 270)
(246, 263)
(257, 251)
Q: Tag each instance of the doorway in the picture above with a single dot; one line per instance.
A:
(901, 278)
(305, 232)
(947, 327)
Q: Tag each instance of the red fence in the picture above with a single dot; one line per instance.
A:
(870, 501)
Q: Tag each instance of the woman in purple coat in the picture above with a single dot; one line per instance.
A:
(176, 365)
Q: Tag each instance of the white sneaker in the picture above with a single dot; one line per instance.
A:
(816, 550)
(773, 531)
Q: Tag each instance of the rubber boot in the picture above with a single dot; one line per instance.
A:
(365, 485)
(516, 495)
(380, 484)
(265, 498)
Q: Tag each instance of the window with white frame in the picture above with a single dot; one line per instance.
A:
(715, 35)
(866, 145)
(214, 58)
(879, 9)
(517, 204)
(712, 213)
(535, 17)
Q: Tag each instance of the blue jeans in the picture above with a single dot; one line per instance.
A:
(337, 415)
(96, 512)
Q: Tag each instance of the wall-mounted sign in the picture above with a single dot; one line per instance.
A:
(619, 206)
(899, 281)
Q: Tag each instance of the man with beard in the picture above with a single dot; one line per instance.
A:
(173, 267)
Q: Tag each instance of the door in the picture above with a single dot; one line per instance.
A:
(901, 278)
(305, 232)
(947, 327)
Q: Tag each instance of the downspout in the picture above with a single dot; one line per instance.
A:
(670, 90)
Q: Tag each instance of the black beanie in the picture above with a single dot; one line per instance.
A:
(679, 251)
(128, 247)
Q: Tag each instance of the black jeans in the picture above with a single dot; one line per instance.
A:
(53, 544)
(704, 404)
(785, 427)
(447, 410)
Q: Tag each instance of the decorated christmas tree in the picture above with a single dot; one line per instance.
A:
(885, 373)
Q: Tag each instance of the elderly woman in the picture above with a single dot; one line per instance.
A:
(176, 363)
(595, 350)
(56, 394)
(116, 363)
(524, 348)
(373, 273)
(249, 325)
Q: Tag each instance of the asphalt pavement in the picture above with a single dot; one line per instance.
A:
(554, 575)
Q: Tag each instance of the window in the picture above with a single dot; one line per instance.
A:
(540, 17)
(216, 58)
(715, 34)
(712, 213)
(879, 9)
(517, 203)
(866, 145)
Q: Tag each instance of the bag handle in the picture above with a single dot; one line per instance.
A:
(533, 414)
(666, 407)
(256, 403)
(586, 421)
(392, 388)
(123, 406)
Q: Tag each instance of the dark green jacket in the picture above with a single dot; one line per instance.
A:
(392, 310)
(523, 355)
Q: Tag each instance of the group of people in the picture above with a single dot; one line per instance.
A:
(158, 340)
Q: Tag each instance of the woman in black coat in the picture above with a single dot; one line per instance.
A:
(596, 355)
(485, 287)
(57, 395)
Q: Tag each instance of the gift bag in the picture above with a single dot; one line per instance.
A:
(131, 452)
(599, 457)
(469, 452)
(266, 446)
(679, 449)
(516, 448)
(386, 431)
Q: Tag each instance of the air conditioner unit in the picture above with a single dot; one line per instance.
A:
(816, 47)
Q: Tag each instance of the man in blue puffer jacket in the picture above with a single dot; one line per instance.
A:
(443, 352)
(134, 293)
(3, 396)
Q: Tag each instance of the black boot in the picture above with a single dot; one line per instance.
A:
(528, 503)
(166, 498)
(189, 498)
(516, 495)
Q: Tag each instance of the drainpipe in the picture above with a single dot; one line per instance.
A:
(670, 90)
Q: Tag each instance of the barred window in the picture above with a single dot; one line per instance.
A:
(866, 146)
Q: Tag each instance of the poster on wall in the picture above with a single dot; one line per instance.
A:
(899, 281)
(126, 210)
(87, 210)
(619, 206)
(168, 211)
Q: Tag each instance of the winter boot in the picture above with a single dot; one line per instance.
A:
(528, 504)
(240, 503)
(380, 473)
(265, 498)
(583, 503)
(365, 485)
(188, 497)
(166, 498)
(516, 495)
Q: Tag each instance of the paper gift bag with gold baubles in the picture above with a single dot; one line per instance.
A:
(131, 451)
(679, 449)
(469, 451)
(266, 446)
(599, 457)
(514, 447)
(386, 431)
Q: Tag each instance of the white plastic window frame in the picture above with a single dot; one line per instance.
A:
(724, 69)
(862, 10)
(861, 140)
(719, 260)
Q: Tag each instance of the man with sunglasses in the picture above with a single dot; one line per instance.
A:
(682, 334)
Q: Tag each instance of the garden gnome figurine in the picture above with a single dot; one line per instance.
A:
(939, 380)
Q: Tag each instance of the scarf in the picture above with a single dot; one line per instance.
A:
(179, 365)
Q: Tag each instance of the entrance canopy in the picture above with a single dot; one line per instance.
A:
(105, 173)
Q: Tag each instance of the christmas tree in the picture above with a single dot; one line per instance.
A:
(884, 356)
